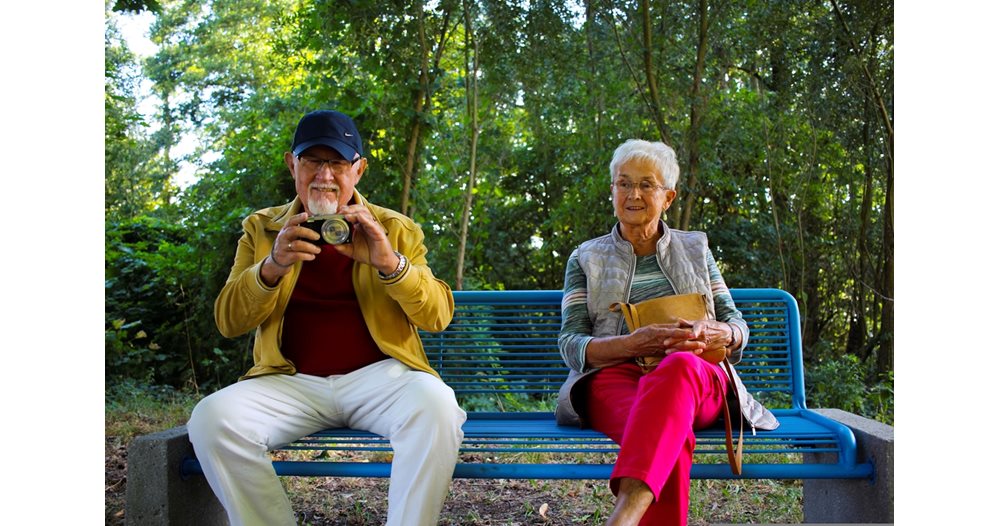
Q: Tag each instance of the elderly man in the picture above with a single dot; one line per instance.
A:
(336, 342)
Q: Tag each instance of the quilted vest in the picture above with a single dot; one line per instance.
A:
(609, 263)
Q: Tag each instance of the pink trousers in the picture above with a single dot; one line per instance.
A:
(653, 418)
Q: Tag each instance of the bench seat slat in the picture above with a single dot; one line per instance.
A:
(557, 471)
(510, 433)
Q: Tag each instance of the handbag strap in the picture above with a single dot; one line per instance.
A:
(631, 314)
(735, 456)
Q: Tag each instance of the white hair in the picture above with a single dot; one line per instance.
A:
(661, 155)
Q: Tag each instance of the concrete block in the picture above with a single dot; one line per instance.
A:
(854, 501)
(155, 493)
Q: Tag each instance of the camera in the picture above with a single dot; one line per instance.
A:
(332, 228)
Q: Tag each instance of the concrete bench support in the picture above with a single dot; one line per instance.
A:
(156, 495)
(853, 501)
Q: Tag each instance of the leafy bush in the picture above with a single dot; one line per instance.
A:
(505, 402)
(159, 326)
(842, 383)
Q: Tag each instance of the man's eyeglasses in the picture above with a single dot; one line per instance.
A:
(644, 187)
(315, 164)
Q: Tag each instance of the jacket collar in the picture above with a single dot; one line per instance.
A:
(622, 245)
(278, 220)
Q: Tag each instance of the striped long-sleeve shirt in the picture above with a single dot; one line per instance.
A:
(648, 282)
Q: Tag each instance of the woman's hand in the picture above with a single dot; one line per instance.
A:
(662, 339)
(713, 335)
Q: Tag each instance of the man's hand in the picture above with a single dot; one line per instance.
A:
(369, 243)
(292, 244)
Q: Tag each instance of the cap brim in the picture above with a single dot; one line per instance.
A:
(345, 150)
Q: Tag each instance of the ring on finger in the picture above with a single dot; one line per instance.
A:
(289, 246)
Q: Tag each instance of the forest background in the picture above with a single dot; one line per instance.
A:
(492, 124)
(54, 101)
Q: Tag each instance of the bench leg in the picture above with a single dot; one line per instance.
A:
(155, 494)
(853, 501)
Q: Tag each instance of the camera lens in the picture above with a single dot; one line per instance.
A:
(336, 231)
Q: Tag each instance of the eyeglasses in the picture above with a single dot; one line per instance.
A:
(315, 164)
(644, 187)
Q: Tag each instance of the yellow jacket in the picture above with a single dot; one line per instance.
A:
(393, 310)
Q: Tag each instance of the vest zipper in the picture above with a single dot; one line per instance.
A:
(628, 290)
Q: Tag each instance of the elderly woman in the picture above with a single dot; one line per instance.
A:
(652, 416)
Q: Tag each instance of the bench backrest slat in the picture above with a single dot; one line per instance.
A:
(501, 353)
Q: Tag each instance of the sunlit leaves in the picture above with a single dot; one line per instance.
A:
(789, 140)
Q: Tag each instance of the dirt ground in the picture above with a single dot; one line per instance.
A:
(356, 502)
(362, 502)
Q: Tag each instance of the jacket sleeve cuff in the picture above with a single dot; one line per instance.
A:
(259, 290)
(399, 275)
(740, 326)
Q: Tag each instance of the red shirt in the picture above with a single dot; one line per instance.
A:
(324, 332)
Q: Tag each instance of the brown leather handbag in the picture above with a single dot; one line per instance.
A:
(691, 307)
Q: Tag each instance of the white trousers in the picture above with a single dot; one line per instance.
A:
(233, 429)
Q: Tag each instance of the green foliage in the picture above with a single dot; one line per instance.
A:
(844, 383)
(137, 6)
(158, 318)
(793, 157)
(134, 306)
(136, 170)
(506, 402)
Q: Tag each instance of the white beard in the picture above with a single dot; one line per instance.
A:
(320, 206)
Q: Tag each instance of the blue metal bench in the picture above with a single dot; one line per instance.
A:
(500, 356)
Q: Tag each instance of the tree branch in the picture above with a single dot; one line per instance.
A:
(886, 120)
(621, 50)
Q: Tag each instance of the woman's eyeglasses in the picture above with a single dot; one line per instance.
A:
(644, 187)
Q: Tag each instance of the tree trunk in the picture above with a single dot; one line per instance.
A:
(418, 108)
(651, 84)
(886, 349)
(596, 94)
(472, 107)
(812, 309)
(772, 189)
(411, 154)
(422, 102)
(885, 352)
(694, 134)
(857, 335)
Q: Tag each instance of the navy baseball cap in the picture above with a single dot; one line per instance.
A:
(328, 128)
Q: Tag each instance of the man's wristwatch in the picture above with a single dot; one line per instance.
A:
(398, 271)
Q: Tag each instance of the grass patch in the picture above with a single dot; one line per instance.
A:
(132, 409)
